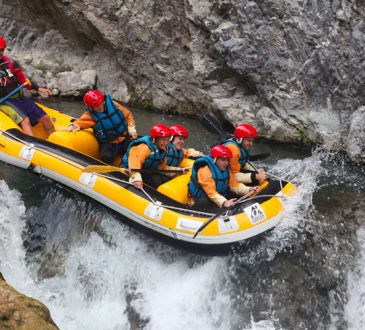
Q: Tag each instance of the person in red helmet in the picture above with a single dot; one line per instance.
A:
(149, 152)
(212, 181)
(176, 152)
(240, 145)
(19, 107)
(112, 124)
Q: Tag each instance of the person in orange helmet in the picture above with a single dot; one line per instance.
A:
(240, 145)
(112, 124)
(20, 108)
(149, 152)
(211, 180)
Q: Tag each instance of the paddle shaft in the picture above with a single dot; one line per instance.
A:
(109, 168)
(212, 218)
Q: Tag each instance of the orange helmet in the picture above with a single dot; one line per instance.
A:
(2, 43)
(220, 151)
(244, 131)
(160, 130)
(179, 130)
(93, 98)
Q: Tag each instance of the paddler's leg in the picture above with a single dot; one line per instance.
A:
(108, 152)
(26, 126)
(155, 179)
(18, 116)
(206, 203)
(47, 125)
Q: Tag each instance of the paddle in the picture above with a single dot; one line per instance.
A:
(213, 124)
(109, 168)
(217, 215)
(14, 91)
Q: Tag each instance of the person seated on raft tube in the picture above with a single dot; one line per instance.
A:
(111, 124)
(240, 145)
(149, 152)
(212, 181)
(20, 108)
(175, 150)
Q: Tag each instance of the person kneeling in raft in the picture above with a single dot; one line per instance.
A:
(211, 180)
(149, 152)
(111, 124)
(240, 145)
(176, 151)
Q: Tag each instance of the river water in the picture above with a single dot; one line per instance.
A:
(94, 271)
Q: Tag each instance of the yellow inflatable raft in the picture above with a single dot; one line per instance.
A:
(64, 156)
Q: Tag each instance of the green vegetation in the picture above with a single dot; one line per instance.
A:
(304, 136)
(139, 102)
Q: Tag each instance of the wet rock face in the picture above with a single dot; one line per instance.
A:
(356, 137)
(305, 286)
(20, 312)
(298, 62)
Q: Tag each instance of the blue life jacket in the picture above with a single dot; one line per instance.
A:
(153, 161)
(174, 156)
(109, 124)
(221, 178)
(244, 153)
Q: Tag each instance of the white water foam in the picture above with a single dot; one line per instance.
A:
(12, 254)
(297, 214)
(103, 280)
(92, 294)
(355, 307)
(124, 282)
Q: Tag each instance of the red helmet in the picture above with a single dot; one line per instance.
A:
(93, 98)
(220, 151)
(179, 130)
(160, 130)
(244, 131)
(2, 43)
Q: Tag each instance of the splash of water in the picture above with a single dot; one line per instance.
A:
(298, 212)
(355, 307)
(12, 216)
(116, 278)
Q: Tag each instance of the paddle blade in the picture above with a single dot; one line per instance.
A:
(102, 169)
(212, 123)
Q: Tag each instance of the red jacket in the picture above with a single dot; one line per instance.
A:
(18, 72)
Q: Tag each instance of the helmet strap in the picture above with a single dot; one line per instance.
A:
(172, 138)
(239, 141)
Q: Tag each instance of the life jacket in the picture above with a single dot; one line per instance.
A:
(174, 156)
(8, 80)
(221, 178)
(244, 154)
(109, 124)
(153, 161)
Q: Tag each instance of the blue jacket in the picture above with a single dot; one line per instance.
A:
(174, 156)
(244, 153)
(221, 178)
(109, 124)
(153, 161)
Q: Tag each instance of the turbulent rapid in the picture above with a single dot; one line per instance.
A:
(94, 271)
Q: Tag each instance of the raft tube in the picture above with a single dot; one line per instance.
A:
(64, 155)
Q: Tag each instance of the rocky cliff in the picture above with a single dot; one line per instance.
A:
(293, 68)
(20, 312)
